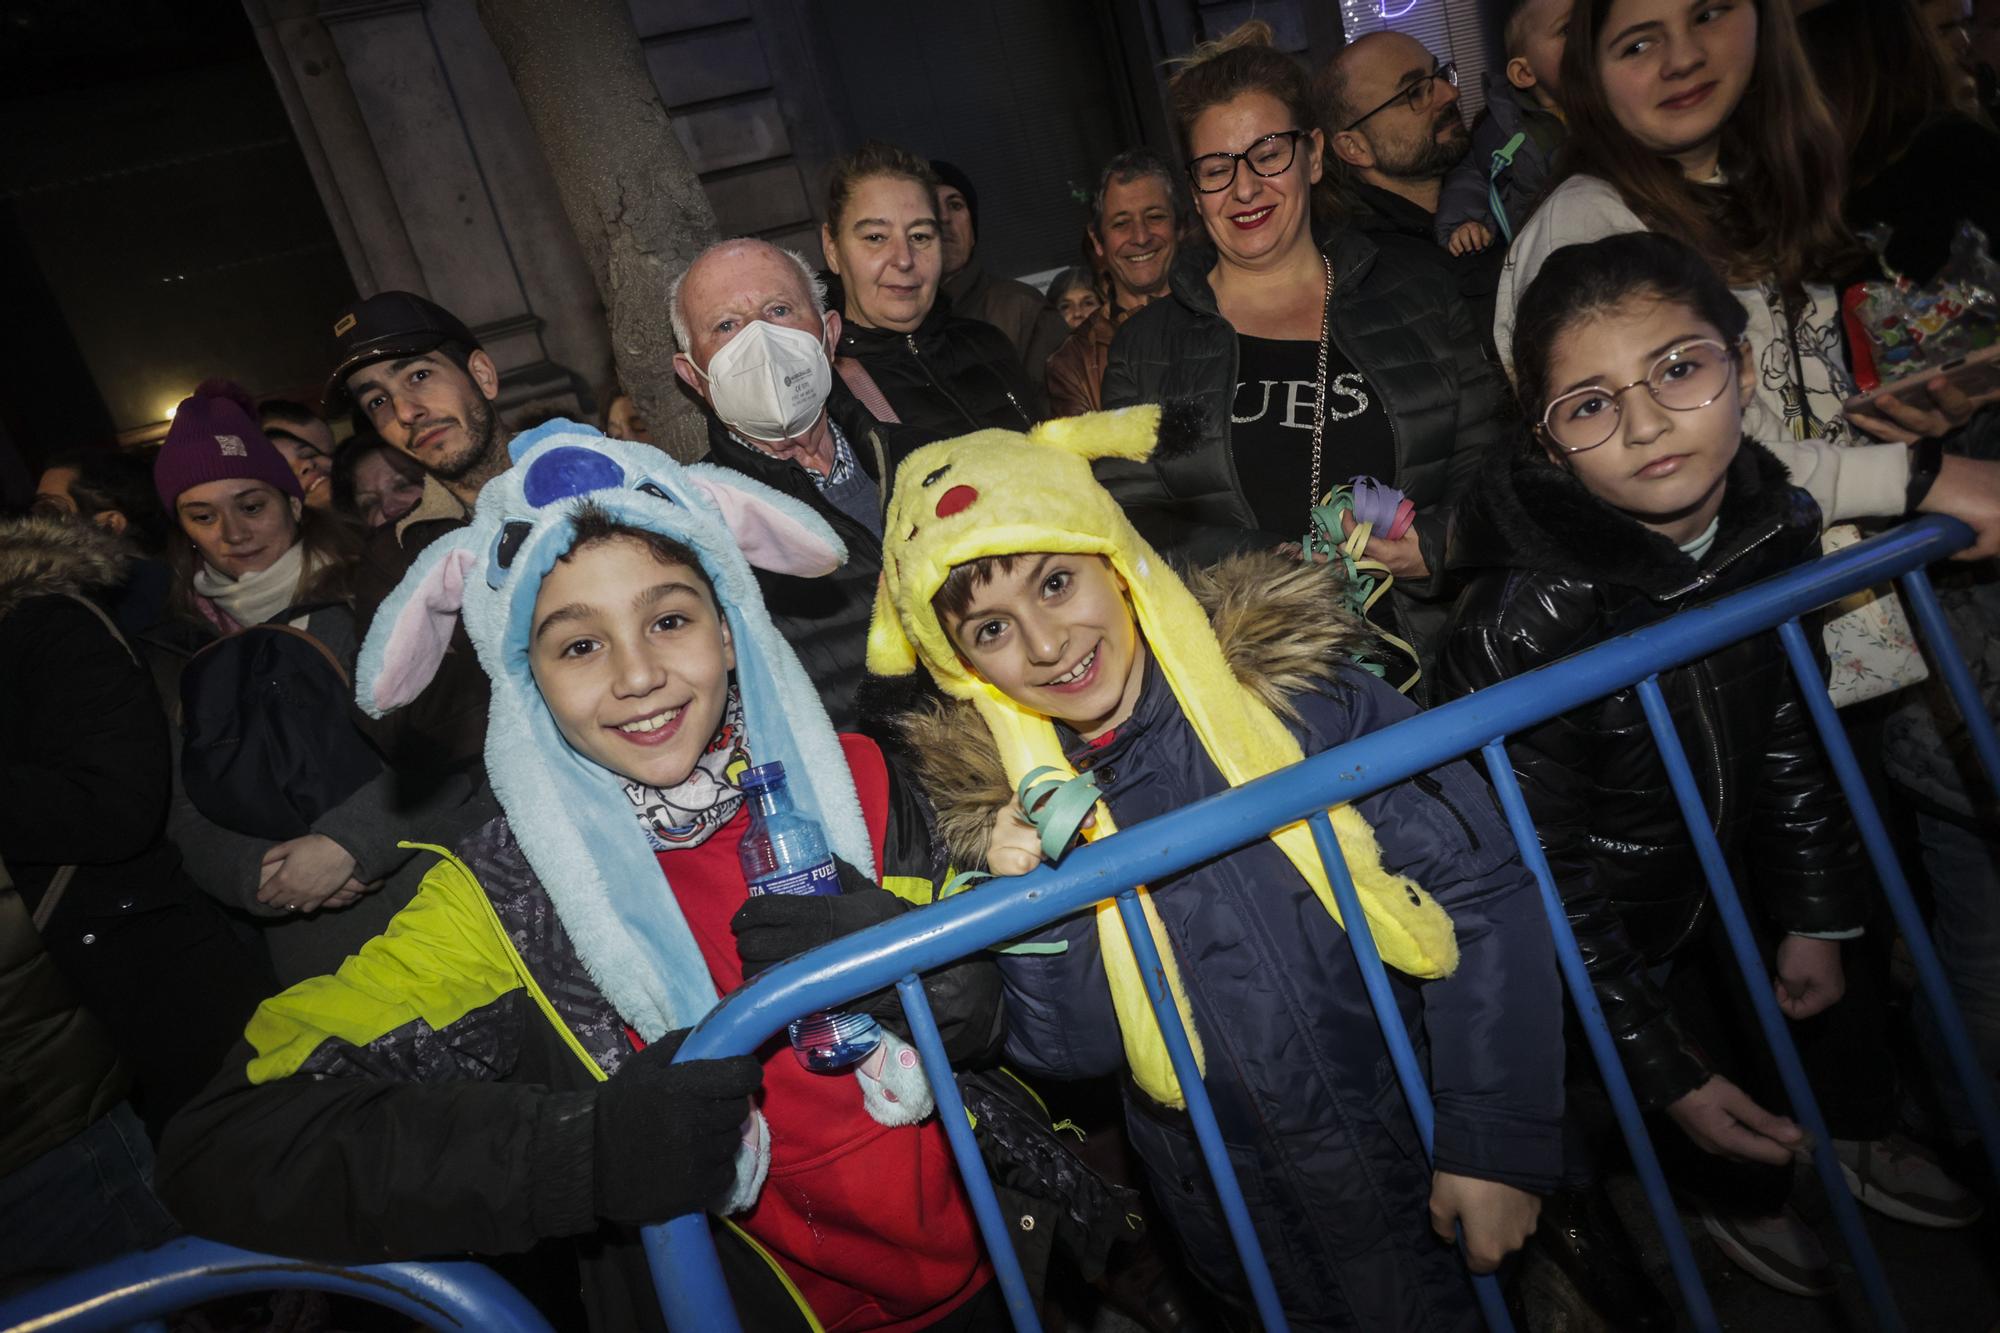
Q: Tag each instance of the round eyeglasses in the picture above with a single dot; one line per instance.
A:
(1687, 376)
(1212, 173)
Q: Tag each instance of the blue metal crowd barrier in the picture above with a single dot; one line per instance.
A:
(135, 1290)
(686, 1271)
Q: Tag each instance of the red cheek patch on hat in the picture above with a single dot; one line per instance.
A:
(955, 499)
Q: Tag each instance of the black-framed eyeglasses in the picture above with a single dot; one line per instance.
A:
(1417, 96)
(1272, 155)
(1686, 377)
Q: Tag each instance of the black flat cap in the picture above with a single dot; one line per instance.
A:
(385, 325)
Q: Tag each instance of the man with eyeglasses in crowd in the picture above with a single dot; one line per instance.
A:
(1394, 130)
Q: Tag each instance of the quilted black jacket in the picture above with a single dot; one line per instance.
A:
(1403, 326)
(1558, 570)
(825, 619)
(950, 377)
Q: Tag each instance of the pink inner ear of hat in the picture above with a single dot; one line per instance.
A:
(955, 499)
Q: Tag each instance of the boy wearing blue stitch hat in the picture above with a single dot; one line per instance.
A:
(494, 1072)
(1064, 641)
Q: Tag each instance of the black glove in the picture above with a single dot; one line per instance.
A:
(667, 1134)
(772, 927)
(964, 996)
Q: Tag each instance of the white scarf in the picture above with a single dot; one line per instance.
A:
(685, 814)
(255, 598)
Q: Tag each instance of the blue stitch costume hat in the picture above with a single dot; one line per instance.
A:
(569, 814)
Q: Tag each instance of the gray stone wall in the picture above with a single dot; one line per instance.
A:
(434, 182)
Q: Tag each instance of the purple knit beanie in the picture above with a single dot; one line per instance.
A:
(215, 437)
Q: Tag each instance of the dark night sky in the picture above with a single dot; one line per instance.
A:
(159, 224)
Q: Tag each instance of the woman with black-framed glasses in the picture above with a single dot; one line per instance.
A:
(1311, 358)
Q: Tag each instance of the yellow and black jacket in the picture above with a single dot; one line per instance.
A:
(436, 1095)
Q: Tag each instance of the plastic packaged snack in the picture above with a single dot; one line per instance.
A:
(1904, 333)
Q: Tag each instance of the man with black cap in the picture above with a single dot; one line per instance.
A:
(1015, 308)
(416, 375)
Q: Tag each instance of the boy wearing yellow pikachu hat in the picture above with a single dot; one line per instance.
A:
(1062, 639)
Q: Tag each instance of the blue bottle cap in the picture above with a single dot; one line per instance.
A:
(762, 777)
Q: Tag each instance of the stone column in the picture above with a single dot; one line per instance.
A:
(433, 181)
(306, 67)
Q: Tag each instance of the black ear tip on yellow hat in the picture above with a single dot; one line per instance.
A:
(882, 701)
(1180, 428)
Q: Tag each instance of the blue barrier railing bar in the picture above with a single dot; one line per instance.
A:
(1896, 886)
(1597, 1031)
(1957, 676)
(1756, 980)
(687, 1275)
(958, 1128)
(682, 1251)
(138, 1287)
(998, 912)
(1201, 1115)
(878, 956)
(1402, 1054)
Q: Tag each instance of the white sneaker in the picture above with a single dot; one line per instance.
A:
(1898, 1178)
(1780, 1250)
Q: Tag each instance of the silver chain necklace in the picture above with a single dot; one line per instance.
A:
(1319, 405)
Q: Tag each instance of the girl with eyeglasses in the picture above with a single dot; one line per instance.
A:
(1701, 120)
(1641, 496)
(1308, 359)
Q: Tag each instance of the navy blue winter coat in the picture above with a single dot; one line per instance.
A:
(1296, 1067)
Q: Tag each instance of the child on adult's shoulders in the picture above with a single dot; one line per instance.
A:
(1469, 217)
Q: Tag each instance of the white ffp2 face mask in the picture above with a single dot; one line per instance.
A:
(769, 382)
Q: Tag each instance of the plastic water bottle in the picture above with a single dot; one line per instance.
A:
(784, 852)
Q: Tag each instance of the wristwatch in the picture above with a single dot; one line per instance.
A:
(1926, 456)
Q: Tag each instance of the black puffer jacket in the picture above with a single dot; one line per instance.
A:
(951, 377)
(1402, 325)
(1559, 571)
(1401, 226)
(85, 769)
(825, 620)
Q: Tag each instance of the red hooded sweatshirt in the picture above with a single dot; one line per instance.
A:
(870, 1223)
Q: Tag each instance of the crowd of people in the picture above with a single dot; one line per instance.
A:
(381, 771)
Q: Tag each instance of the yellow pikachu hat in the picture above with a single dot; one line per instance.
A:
(1001, 493)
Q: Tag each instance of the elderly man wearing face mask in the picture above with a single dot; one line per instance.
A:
(756, 335)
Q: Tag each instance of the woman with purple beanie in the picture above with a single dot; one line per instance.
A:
(309, 852)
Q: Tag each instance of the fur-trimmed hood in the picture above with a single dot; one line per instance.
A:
(1282, 628)
(40, 557)
(1527, 513)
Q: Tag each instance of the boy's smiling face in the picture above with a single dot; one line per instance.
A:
(633, 659)
(1055, 634)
